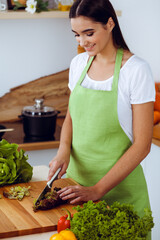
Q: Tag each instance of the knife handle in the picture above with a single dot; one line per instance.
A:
(55, 176)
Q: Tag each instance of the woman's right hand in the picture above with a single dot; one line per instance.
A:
(59, 161)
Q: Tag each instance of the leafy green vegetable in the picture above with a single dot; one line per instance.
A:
(42, 6)
(17, 192)
(118, 222)
(14, 167)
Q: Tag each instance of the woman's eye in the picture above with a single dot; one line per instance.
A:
(90, 34)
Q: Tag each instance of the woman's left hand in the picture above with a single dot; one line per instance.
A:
(77, 194)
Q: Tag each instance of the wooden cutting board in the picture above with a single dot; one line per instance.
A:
(17, 218)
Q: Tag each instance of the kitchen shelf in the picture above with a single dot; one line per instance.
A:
(22, 14)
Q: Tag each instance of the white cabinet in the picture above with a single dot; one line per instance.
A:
(41, 157)
(151, 166)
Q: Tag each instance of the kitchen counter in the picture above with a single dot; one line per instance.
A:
(156, 134)
(156, 141)
(39, 174)
(17, 136)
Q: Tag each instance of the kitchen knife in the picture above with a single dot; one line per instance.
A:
(48, 186)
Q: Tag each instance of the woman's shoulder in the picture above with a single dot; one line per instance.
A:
(134, 64)
(77, 65)
(137, 80)
(80, 59)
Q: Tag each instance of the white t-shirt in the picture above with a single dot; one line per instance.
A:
(135, 86)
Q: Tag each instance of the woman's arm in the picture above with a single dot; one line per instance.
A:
(63, 154)
(142, 137)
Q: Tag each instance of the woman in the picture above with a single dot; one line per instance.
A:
(107, 131)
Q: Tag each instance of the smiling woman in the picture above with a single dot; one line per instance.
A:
(104, 138)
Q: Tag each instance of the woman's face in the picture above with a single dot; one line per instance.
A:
(92, 36)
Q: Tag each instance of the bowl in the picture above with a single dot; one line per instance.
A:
(1, 133)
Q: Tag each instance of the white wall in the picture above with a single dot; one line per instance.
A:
(140, 26)
(32, 48)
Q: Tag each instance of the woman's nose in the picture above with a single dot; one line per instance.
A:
(82, 42)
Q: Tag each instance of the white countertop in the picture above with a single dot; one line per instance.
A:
(40, 173)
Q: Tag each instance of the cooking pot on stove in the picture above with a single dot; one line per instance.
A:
(38, 120)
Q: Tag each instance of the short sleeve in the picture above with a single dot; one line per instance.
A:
(70, 83)
(142, 87)
(76, 67)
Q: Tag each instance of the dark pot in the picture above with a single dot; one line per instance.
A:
(1, 133)
(39, 121)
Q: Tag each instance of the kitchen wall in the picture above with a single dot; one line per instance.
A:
(140, 25)
(30, 49)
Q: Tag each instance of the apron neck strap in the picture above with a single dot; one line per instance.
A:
(85, 70)
(117, 68)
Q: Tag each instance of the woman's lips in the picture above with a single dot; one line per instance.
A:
(89, 48)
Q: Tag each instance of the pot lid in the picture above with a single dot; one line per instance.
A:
(38, 109)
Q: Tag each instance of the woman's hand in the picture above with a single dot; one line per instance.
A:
(77, 194)
(60, 161)
(55, 164)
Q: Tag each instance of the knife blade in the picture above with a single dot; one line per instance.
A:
(47, 187)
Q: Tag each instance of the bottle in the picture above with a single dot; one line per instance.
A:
(65, 5)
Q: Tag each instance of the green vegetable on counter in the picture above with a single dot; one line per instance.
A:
(17, 192)
(14, 167)
(118, 222)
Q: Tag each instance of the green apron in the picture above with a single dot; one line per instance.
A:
(98, 141)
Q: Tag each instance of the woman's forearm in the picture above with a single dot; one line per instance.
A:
(124, 166)
(142, 138)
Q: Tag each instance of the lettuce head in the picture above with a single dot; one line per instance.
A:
(14, 167)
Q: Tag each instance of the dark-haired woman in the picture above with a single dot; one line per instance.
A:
(107, 131)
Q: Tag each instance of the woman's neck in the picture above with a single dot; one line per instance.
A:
(108, 55)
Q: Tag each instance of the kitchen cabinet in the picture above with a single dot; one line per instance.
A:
(151, 167)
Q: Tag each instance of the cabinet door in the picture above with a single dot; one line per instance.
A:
(151, 167)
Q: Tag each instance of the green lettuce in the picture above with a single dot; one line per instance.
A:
(117, 222)
(14, 167)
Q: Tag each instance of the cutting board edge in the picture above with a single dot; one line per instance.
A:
(26, 232)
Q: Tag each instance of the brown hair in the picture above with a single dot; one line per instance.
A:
(99, 11)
